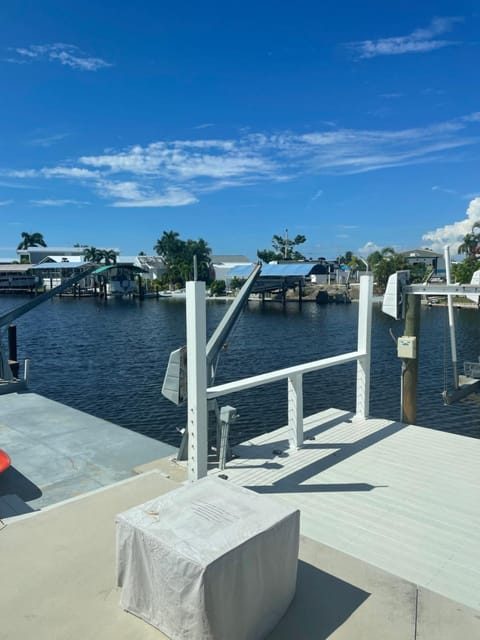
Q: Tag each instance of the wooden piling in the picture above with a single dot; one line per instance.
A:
(410, 365)
(12, 350)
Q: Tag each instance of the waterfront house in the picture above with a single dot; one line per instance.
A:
(427, 257)
(35, 255)
(16, 277)
(222, 264)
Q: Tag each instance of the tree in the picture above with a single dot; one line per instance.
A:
(236, 283)
(109, 256)
(384, 263)
(178, 256)
(283, 249)
(31, 240)
(217, 288)
(92, 254)
(463, 271)
(471, 241)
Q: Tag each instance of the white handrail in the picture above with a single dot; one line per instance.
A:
(281, 374)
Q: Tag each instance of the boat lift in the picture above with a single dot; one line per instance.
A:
(7, 377)
(395, 304)
(175, 382)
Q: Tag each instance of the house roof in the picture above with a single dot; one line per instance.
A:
(233, 259)
(59, 265)
(62, 250)
(15, 268)
(420, 253)
(55, 258)
(281, 270)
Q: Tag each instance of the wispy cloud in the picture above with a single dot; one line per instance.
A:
(419, 41)
(318, 195)
(66, 54)
(443, 190)
(452, 234)
(46, 140)
(132, 194)
(178, 172)
(5, 203)
(57, 203)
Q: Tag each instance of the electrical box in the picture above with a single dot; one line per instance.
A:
(407, 347)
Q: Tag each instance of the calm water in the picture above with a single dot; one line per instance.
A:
(109, 358)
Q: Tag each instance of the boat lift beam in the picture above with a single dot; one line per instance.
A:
(8, 317)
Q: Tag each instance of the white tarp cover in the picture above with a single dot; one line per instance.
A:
(209, 560)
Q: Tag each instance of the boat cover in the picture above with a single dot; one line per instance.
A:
(209, 560)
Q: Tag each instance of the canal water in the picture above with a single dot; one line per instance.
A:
(108, 358)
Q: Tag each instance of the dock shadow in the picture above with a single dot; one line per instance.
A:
(294, 481)
(313, 488)
(12, 482)
(322, 603)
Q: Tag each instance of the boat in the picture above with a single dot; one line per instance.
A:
(177, 294)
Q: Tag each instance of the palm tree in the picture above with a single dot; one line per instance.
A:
(92, 254)
(110, 256)
(31, 240)
(468, 245)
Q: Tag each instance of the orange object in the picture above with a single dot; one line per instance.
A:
(4, 460)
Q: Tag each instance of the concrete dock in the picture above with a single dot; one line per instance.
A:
(58, 582)
(389, 518)
(58, 452)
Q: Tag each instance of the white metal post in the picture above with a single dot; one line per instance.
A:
(197, 417)
(295, 411)
(364, 345)
(451, 318)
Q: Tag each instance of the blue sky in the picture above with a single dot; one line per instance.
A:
(357, 126)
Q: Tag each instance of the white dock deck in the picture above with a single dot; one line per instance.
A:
(403, 498)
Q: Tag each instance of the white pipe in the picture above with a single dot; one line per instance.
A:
(26, 370)
(451, 319)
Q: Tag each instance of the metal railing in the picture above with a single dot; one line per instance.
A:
(199, 393)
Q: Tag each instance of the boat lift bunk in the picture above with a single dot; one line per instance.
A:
(398, 287)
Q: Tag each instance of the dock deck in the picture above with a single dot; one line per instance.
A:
(58, 452)
(400, 497)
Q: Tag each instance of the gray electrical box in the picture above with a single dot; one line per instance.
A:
(407, 347)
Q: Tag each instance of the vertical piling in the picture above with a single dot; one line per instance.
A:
(410, 365)
(12, 349)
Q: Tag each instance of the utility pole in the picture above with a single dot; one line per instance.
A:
(410, 365)
(285, 249)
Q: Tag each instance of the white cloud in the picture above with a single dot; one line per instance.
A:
(47, 140)
(66, 54)
(56, 203)
(5, 203)
(132, 194)
(126, 190)
(69, 172)
(368, 248)
(180, 171)
(443, 190)
(171, 198)
(452, 234)
(317, 195)
(419, 41)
